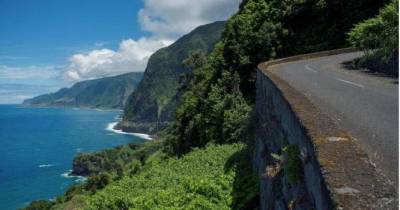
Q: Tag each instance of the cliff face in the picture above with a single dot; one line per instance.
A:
(108, 92)
(153, 104)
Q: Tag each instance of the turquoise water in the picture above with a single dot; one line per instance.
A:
(37, 147)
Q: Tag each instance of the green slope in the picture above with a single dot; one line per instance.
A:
(155, 98)
(108, 92)
(216, 177)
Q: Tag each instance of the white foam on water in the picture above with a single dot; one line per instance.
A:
(67, 174)
(46, 165)
(110, 127)
(78, 179)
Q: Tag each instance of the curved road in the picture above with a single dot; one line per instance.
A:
(363, 104)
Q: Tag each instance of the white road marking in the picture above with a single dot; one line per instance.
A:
(310, 69)
(351, 83)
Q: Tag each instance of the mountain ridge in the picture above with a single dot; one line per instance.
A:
(107, 93)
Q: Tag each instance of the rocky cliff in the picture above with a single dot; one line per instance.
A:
(153, 104)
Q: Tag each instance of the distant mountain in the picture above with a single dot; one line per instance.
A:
(106, 93)
(153, 103)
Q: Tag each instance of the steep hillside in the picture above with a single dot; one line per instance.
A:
(153, 103)
(108, 92)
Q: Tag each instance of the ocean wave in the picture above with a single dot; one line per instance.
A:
(68, 175)
(110, 127)
(46, 165)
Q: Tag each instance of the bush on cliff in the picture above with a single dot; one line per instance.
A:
(116, 160)
(378, 37)
(40, 205)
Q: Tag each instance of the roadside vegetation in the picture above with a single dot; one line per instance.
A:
(379, 38)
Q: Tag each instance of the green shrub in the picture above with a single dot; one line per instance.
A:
(293, 168)
(115, 160)
(40, 205)
(378, 37)
(97, 182)
(198, 180)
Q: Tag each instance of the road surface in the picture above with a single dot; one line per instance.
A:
(363, 104)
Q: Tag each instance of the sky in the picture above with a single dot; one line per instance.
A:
(49, 44)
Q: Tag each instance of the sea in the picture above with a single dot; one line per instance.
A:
(37, 146)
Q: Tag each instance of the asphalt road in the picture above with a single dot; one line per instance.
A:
(364, 104)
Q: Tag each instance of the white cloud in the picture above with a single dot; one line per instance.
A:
(165, 20)
(131, 56)
(176, 17)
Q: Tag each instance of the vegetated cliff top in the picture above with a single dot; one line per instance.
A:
(156, 96)
(108, 92)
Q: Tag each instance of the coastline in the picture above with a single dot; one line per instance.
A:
(111, 127)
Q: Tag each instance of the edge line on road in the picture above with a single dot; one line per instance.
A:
(351, 83)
